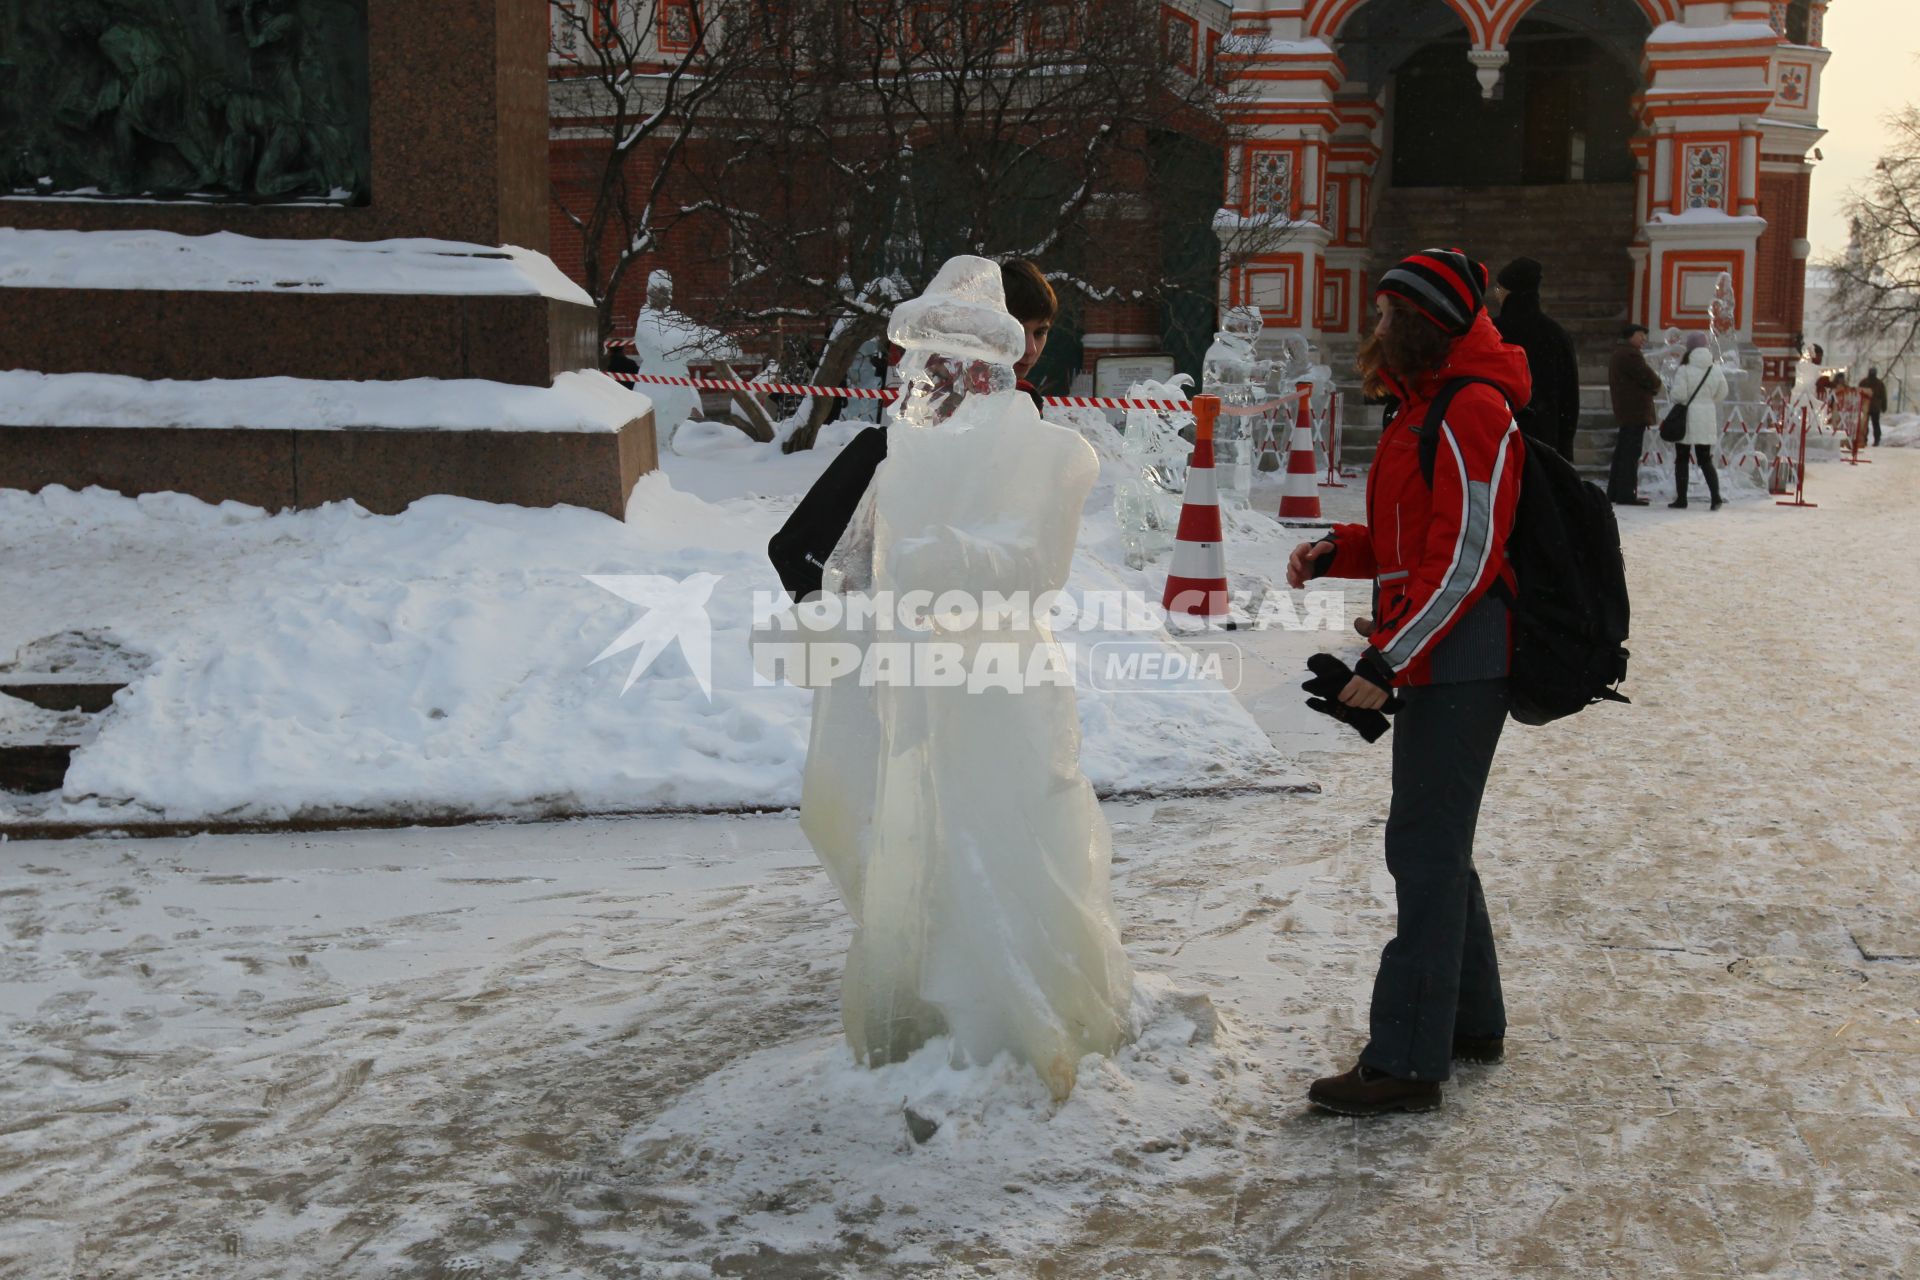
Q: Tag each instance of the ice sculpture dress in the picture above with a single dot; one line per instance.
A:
(956, 824)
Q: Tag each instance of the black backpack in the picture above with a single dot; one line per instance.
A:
(1570, 612)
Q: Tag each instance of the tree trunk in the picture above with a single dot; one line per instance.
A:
(835, 363)
(758, 424)
(605, 328)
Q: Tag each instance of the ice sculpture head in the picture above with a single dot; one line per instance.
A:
(963, 314)
(933, 385)
(660, 290)
(957, 340)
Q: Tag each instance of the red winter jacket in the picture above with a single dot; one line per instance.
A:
(1434, 553)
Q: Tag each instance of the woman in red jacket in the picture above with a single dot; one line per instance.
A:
(1440, 642)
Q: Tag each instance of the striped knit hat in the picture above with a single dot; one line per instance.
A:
(1444, 285)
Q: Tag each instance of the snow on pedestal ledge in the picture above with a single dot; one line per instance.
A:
(226, 261)
(582, 401)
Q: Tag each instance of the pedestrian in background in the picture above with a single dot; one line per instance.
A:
(1700, 382)
(618, 361)
(1632, 384)
(1550, 356)
(1877, 402)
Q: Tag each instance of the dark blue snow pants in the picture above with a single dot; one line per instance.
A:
(1439, 975)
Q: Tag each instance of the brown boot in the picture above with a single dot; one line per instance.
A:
(1366, 1092)
(1482, 1049)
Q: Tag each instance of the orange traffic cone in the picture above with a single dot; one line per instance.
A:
(1197, 584)
(1300, 491)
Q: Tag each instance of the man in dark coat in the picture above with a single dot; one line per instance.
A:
(618, 361)
(1550, 354)
(1876, 406)
(1633, 384)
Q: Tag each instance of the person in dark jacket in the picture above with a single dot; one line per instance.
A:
(1877, 405)
(618, 361)
(1550, 355)
(1632, 384)
(1032, 302)
(1441, 642)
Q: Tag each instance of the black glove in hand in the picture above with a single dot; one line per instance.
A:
(1374, 667)
(1330, 678)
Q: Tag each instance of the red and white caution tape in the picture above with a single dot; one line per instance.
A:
(893, 393)
(771, 388)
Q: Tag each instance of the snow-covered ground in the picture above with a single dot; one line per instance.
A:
(332, 664)
(611, 1048)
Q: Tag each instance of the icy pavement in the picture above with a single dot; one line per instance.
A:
(611, 1049)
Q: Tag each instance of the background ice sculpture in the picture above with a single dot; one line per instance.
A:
(869, 373)
(956, 823)
(1147, 498)
(1297, 362)
(662, 341)
(1809, 403)
(1232, 371)
(1735, 440)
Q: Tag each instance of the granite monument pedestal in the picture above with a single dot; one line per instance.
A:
(208, 231)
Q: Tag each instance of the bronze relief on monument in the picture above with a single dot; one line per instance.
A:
(257, 101)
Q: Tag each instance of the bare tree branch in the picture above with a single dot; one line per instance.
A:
(1876, 281)
(635, 88)
(870, 141)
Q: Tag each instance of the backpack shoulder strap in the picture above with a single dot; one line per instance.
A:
(1429, 431)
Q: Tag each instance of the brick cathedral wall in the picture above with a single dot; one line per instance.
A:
(1780, 278)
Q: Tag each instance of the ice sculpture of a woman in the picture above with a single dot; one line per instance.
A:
(953, 817)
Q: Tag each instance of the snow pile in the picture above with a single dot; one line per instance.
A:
(331, 663)
(226, 261)
(796, 1148)
(335, 662)
(577, 401)
(1900, 430)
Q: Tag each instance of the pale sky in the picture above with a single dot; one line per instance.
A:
(1875, 68)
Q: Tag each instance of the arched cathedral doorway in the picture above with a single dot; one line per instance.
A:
(1531, 158)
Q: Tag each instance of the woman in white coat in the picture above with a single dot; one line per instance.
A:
(1700, 381)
